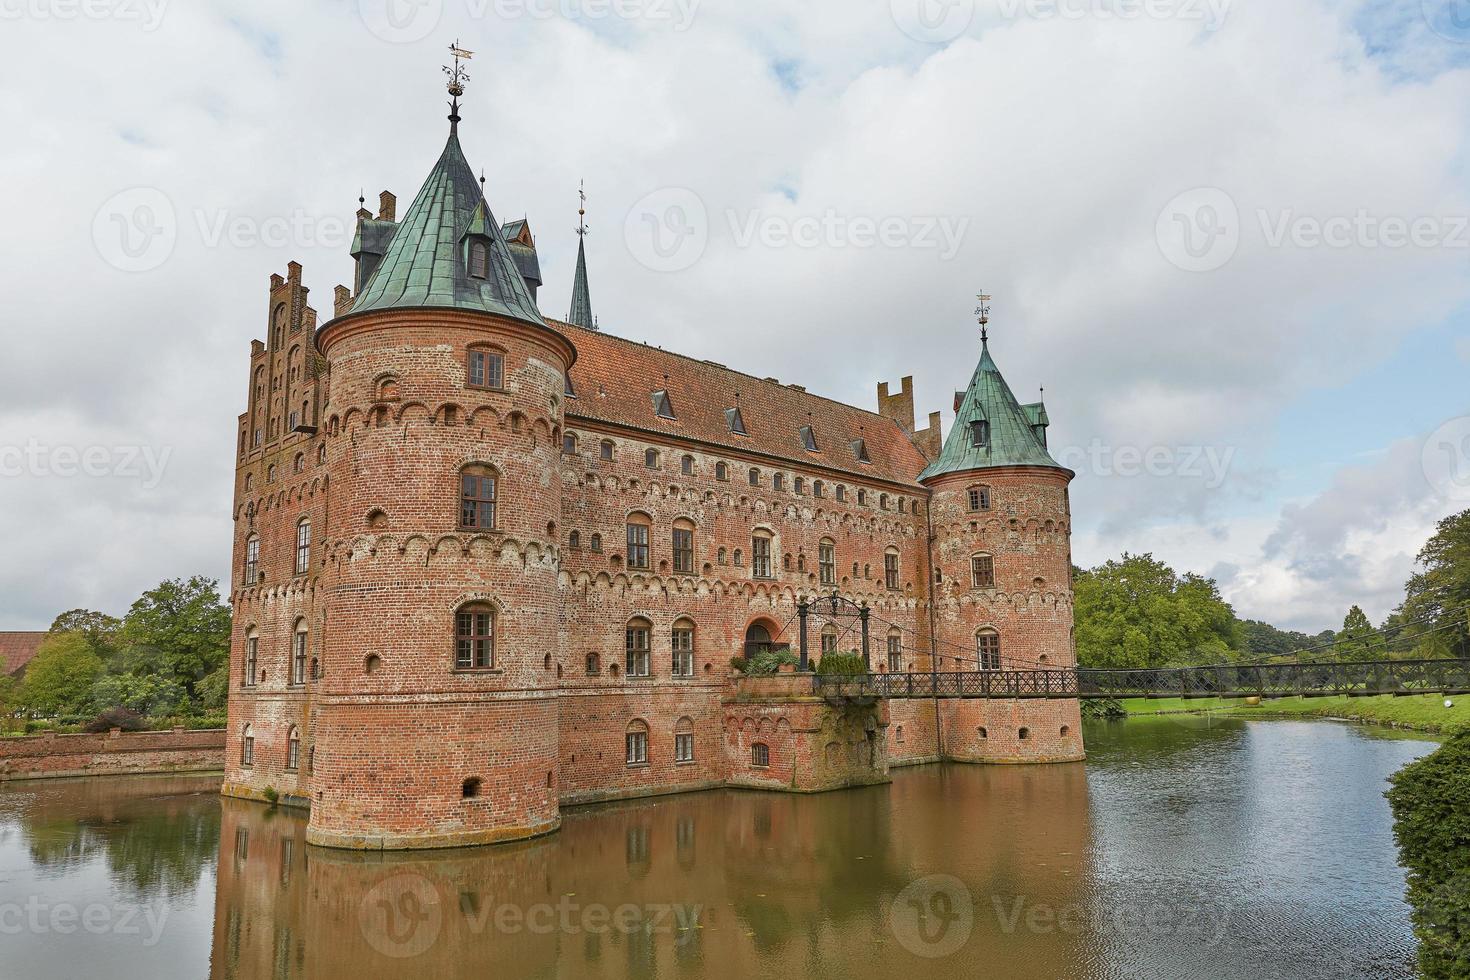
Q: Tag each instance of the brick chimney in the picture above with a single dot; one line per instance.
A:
(387, 207)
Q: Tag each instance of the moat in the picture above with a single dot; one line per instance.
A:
(1181, 848)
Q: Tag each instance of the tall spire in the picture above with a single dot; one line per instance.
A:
(457, 77)
(581, 312)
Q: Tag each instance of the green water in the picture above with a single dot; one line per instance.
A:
(1181, 848)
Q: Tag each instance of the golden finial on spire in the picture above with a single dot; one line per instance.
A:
(983, 312)
(457, 77)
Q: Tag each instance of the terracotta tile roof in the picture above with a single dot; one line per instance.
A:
(615, 380)
(17, 649)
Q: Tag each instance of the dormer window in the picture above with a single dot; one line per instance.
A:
(980, 434)
(808, 438)
(735, 421)
(860, 450)
(568, 388)
(479, 261)
(662, 406)
(1040, 432)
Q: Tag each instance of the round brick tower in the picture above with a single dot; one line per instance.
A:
(1001, 530)
(435, 716)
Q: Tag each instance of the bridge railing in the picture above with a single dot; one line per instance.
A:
(1228, 681)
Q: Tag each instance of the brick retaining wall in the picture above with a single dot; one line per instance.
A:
(51, 756)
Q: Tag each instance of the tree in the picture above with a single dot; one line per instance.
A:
(1440, 594)
(180, 630)
(1136, 612)
(1356, 640)
(152, 696)
(59, 679)
(99, 629)
(9, 702)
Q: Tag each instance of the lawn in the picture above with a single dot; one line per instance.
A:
(1424, 712)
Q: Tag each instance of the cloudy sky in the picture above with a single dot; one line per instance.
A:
(1229, 237)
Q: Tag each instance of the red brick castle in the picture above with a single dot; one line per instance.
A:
(488, 563)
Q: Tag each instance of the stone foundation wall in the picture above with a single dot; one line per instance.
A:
(51, 756)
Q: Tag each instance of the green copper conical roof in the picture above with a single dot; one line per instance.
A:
(581, 313)
(427, 261)
(1013, 438)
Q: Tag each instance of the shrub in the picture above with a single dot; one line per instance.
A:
(1103, 708)
(769, 661)
(271, 796)
(841, 665)
(1431, 807)
(739, 664)
(128, 721)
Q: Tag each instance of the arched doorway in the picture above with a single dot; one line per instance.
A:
(757, 639)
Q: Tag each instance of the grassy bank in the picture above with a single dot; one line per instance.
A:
(1424, 713)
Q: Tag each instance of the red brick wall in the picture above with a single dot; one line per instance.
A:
(48, 756)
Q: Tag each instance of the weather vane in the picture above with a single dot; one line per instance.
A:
(582, 208)
(457, 77)
(983, 312)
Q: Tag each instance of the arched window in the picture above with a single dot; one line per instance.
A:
(252, 658)
(982, 572)
(760, 755)
(827, 561)
(574, 541)
(303, 546)
(372, 664)
(298, 465)
(829, 639)
(595, 544)
(755, 477)
(722, 471)
(818, 488)
(757, 640)
(978, 498)
(650, 458)
(638, 530)
(474, 637)
(605, 450)
(293, 749)
(477, 492)
(479, 260)
(684, 546)
(760, 555)
(686, 466)
(799, 485)
(882, 501)
(298, 653)
(635, 743)
(841, 494)
(862, 497)
(987, 649)
(980, 433)
(270, 473)
(1024, 734)
(247, 747)
(321, 454)
(778, 481)
(637, 642)
(684, 740)
(895, 651)
(252, 559)
(890, 569)
(683, 645)
(594, 665)
(569, 444)
(738, 559)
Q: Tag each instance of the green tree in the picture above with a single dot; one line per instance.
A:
(1137, 612)
(100, 629)
(59, 679)
(1440, 593)
(152, 696)
(179, 630)
(9, 702)
(1356, 639)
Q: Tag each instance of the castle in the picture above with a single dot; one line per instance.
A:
(488, 563)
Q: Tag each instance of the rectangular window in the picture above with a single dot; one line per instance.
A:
(683, 653)
(247, 755)
(829, 643)
(477, 501)
(684, 550)
(982, 572)
(637, 648)
(252, 659)
(987, 646)
(637, 545)
(760, 557)
(684, 747)
(487, 369)
(637, 745)
(760, 755)
(293, 757)
(252, 561)
(895, 654)
(890, 571)
(979, 498)
(474, 641)
(827, 562)
(292, 424)
(303, 547)
(298, 658)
